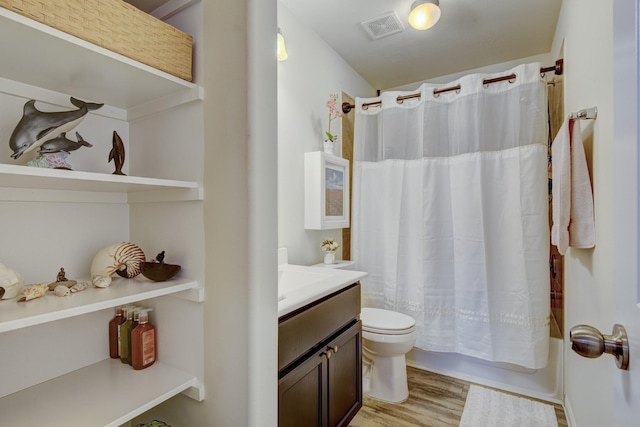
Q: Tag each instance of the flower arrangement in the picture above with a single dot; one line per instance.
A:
(334, 112)
(329, 245)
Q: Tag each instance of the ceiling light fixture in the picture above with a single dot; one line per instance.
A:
(281, 51)
(424, 14)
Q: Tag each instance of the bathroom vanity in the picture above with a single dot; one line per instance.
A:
(320, 357)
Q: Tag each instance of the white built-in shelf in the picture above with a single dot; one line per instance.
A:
(107, 393)
(37, 55)
(17, 315)
(25, 183)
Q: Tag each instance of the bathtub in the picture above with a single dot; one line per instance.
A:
(545, 384)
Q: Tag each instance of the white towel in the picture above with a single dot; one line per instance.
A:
(573, 221)
(561, 187)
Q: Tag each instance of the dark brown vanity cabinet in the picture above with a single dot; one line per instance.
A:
(320, 362)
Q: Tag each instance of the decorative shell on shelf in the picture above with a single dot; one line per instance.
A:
(78, 287)
(11, 282)
(121, 258)
(101, 281)
(61, 291)
(33, 292)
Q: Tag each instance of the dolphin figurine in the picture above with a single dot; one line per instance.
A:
(36, 127)
(117, 154)
(62, 144)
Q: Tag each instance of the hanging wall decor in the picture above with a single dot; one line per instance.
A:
(326, 191)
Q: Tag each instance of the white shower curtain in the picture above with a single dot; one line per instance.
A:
(450, 214)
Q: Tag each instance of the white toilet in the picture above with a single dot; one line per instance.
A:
(387, 336)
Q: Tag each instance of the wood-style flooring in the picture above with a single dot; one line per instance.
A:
(434, 401)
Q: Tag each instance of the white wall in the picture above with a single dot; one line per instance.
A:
(305, 80)
(585, 29)
(240, 210)
(236, 66)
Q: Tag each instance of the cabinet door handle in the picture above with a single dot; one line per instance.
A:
(329, 350)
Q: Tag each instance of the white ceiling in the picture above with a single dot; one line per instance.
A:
(470, 34)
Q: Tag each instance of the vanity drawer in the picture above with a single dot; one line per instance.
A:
(306, 328)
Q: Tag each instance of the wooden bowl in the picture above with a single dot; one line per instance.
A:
(159, 271)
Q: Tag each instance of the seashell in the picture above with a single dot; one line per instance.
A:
(33, 292)
(61, 291)
(11, 282)
(67, 283)
(122, 258)
(101, 281)
(79, 287)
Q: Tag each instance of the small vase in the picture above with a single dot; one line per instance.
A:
(330, 257)
(329, 147)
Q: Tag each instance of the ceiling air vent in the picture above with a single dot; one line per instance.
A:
(383, 26)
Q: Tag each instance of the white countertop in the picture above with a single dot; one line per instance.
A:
(301, 285)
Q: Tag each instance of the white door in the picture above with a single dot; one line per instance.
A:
(626, 386)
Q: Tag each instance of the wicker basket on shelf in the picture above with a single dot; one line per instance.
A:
(117, 26)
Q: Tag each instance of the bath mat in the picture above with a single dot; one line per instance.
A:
(486, 407)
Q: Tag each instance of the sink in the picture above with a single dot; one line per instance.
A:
(289, 280)
(299, 285)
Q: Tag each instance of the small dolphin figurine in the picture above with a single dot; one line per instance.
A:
(62, 144)
(117, 154)
(36, 127)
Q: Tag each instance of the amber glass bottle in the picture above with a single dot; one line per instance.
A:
(143, 342)
(114, 325)
(136, 316)
(125, 335)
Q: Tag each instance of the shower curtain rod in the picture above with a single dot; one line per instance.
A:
(557, 69)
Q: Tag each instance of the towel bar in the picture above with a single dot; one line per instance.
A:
(588, 113)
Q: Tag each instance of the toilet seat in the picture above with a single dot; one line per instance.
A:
(386, 322)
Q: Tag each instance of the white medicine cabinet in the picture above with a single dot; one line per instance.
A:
(326, 191)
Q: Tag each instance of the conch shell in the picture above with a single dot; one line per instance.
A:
(11, 282)
(121, 258)
(33, 292)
